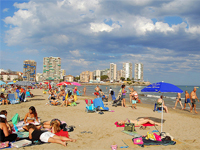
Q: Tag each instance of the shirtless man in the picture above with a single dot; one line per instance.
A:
(187, 99)
(178, 99)
(62, 93)
(193, 97)
(84, 90)
(97, 89)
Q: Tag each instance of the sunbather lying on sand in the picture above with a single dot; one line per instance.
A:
(45, 136)
(138, 122)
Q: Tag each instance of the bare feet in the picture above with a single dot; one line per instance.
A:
(63, 143)
(196, 112)
(191, 111)
(174, 108)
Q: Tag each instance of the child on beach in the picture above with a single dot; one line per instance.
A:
(45, 136)
(187, 99)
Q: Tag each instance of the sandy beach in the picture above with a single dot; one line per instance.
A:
(182, 125)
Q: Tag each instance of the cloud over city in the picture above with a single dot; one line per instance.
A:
(87, 34)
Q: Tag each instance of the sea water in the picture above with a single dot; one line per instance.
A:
(145, 97)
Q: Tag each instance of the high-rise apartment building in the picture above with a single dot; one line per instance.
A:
(62, 73)
(29, 70)
(51, 68)
(113, 72)
(97, 75)
(138, 72)
(127, 70)
(119, 74)
(86, 76)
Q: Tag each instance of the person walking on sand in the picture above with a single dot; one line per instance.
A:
(193, 97)
(84, 90)
(187, 99)
(178, 99)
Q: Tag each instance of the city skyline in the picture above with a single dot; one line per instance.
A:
(88, 35)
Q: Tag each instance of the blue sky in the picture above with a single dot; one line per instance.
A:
(90, 34)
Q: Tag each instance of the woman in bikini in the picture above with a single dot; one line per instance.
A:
(45, 136)
(138, 122)
(31, 117)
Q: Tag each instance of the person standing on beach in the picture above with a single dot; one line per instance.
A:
(178, 99)
(187, 99)
(97, 89)
(193, 97)
(84, 90)
(123, 95)
(131, 89)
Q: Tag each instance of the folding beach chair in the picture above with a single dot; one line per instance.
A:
(89, 106)
(11, 98)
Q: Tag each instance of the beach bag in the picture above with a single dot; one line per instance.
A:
(138, 141)
(129, 127)
(15, 119)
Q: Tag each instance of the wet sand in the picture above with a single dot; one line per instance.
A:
(182, 125)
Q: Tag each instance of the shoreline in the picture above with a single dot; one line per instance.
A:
(119, 84)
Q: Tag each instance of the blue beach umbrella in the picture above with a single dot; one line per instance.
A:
(162, 87)
(9, 83)
(1, 83)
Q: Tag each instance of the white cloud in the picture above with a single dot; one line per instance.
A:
(30, 51)
(5, 9)
(75, 53)
(100, 27)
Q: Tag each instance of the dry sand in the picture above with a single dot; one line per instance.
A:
(182, 125)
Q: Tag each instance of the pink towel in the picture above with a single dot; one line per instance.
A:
(146, 124)
(119, 125)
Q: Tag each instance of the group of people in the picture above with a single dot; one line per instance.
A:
(66, 96)
(133, 95)
(189, 98)
(56, 134)
(22, 92)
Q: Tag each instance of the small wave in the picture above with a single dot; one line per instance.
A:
(156, 96)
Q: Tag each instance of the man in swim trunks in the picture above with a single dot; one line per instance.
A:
(187, 99)
(178, 99)
(193, 97)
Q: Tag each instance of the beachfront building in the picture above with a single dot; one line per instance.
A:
(127, 70)
(119, 74)
(86, 76)
(52, 68)
(69, 78)
(138, 72)
(62, 73)
(97, 75)
(39, 77)
(6, 76)
(29, 70)
(113, 72)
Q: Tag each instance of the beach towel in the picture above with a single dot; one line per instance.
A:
(151, 142)
(15, 119)
(20, 125)
(99, 103)
(146, 124)
(134, 133)
(62, 133)
(22, 134)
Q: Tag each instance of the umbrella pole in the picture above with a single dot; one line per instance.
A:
(162, 118)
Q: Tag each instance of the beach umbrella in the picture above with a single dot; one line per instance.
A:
(76, 83)
(64, 83)
(24, 83)
(1, 83)
(162, 87)
(10, 83)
